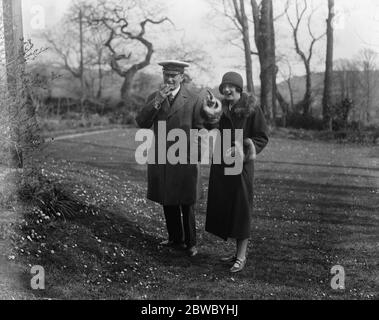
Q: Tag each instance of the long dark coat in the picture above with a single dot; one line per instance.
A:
(230, 197)
(177, 184)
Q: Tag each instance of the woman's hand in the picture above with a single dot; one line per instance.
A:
(237, 149)
(249, 150)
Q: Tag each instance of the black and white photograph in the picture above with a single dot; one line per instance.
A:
(189, 155)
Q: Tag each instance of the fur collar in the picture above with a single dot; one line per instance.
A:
(244, 107)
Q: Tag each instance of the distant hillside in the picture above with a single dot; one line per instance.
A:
(298, 87)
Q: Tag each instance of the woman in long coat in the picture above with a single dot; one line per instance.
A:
(230, 197)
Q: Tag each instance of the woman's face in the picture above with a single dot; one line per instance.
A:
(231, 93)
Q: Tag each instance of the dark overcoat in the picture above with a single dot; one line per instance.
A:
(173, 184)
(230, 197)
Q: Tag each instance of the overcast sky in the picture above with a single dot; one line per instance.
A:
(357, 26)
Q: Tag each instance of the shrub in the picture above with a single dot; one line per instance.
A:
(124, 112)
(123, 117)
(9, 182)
(349, 136)
(299, 121)
(73, 120)
(93, 120)
(52, 199)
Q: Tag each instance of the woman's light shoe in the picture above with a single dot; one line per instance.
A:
(228, 259)
(238, 265)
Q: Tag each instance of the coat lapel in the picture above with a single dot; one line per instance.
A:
(180, 100)
(237, 121)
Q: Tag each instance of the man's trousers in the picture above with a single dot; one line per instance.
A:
(181, 224)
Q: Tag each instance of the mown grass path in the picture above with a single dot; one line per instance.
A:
(316, 206)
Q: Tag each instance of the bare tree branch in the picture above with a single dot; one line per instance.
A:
(306, 58)
(232, 18)
(115, 20)
(283, 13)
(237, 12)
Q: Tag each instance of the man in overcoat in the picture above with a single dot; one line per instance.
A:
(174, 186)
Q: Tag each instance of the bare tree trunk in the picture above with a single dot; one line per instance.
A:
(307, 100)
(273, 59)
(59, 107)
(240, 18)
(236, 12)
(127, 83)
(14, 62)
(289, 84)
(265, 43)
(368, 62)
(247, 47)
(284, 106)
(13, 42)
(368, 98)
(274, 96)
(100, 74)
(306, 58)
(81, 68)
(288, 78)
(248, 65)
(328, 82)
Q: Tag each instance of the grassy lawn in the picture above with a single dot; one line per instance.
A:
(316, 206)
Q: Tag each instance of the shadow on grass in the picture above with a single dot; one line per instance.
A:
(311, 227)
(297, 232)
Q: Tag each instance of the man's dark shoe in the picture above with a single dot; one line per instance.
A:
(191, 252)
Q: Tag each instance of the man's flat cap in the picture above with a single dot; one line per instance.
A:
(174, 65)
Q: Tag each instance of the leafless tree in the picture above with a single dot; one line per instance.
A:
(189, 52)
(356, 80)
(122, 34)
(306, 57)
(259, 16)
(328, 81)
(18, 125)
(264, 35)
(12, 99)
(98, 58)
(368, 62)
(347, 80)
(286, 73)
(235, 11)
(80, 48)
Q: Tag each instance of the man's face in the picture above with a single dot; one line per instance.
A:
(172, 78)
(231, 93)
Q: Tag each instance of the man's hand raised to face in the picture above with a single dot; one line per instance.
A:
(162, 94)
